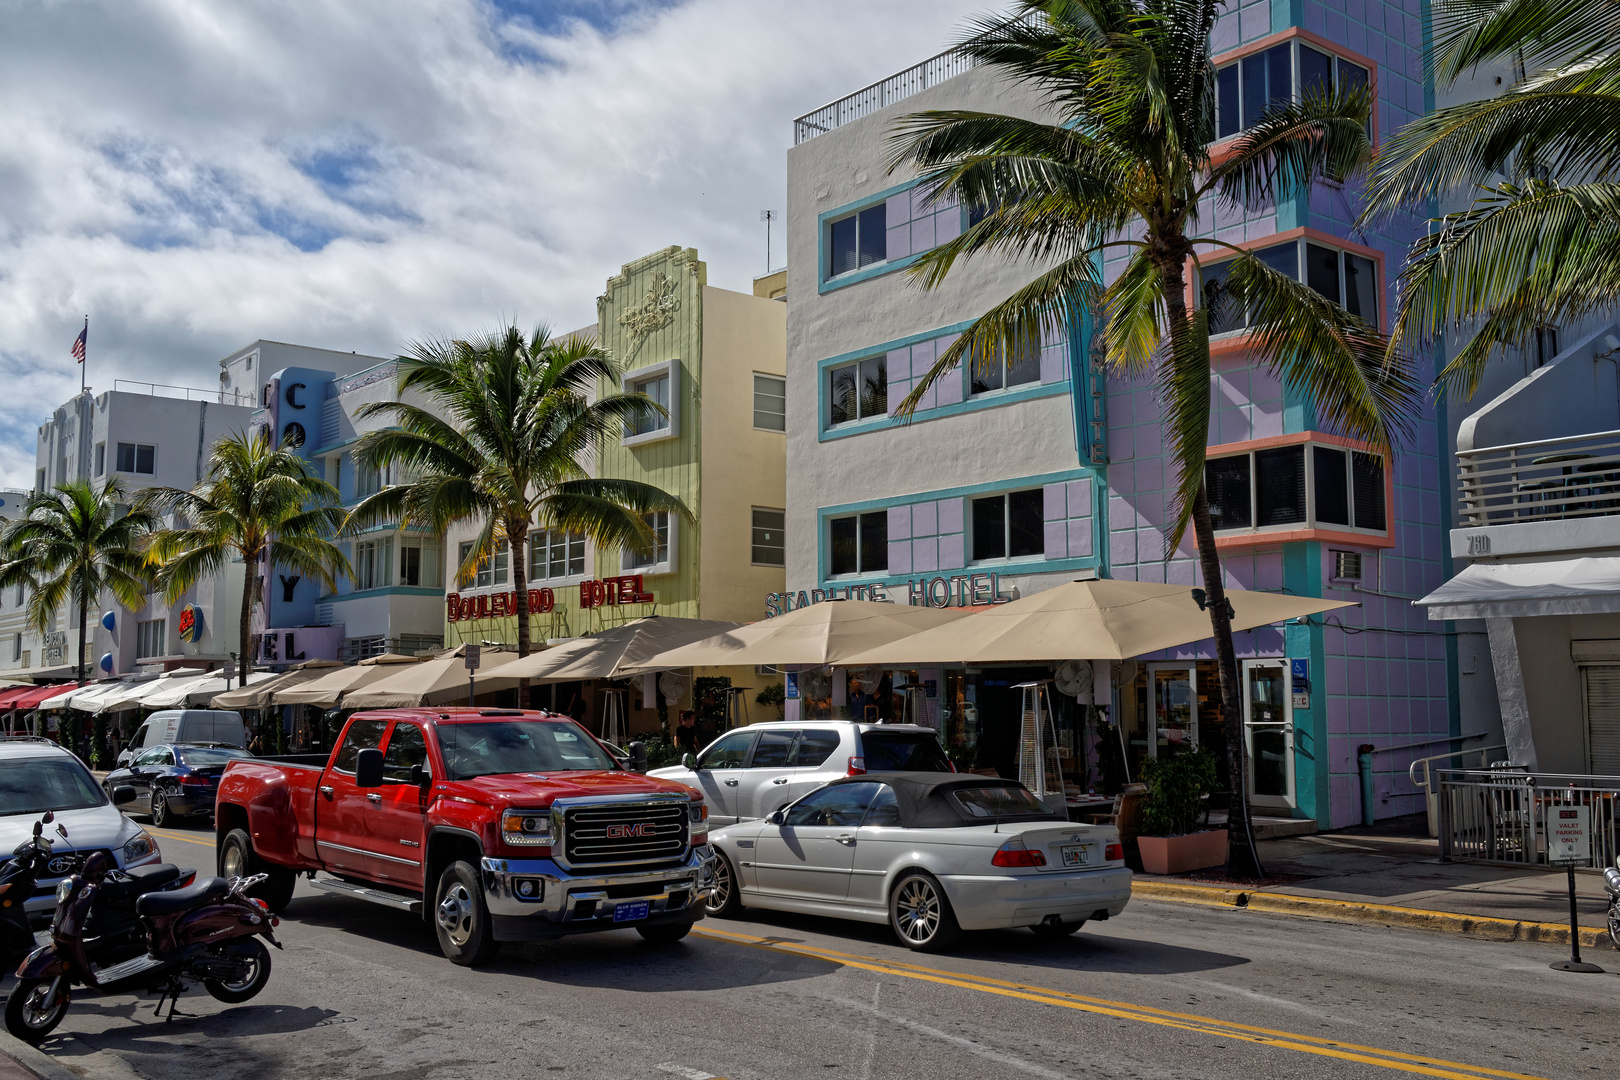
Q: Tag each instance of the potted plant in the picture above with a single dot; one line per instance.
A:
(773, 695)
(1171, 842)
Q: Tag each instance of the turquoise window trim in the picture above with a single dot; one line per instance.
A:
(386, 590)
(1018, 566)
(334, 448)
(969, 402)
(824, 284)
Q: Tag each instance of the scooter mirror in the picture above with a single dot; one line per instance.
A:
(50, 816)
(61, 830)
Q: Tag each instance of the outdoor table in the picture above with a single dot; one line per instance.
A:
(1083, 809)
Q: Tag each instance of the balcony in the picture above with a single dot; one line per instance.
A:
(913, 80)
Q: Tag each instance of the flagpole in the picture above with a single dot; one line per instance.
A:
(84, 364)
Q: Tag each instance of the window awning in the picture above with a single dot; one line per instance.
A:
(1525, 589)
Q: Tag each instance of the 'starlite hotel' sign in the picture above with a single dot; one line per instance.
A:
(955, 590)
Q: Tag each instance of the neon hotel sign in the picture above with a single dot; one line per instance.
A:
(608, 592)
(957, 590)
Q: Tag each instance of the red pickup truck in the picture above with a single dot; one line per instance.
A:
(511, 825)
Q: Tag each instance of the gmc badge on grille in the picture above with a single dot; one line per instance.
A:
(645, 828)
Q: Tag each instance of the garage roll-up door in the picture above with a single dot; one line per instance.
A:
(1603, 719)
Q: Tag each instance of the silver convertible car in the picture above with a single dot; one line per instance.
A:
(931, 854)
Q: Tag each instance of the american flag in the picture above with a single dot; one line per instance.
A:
(78, 342)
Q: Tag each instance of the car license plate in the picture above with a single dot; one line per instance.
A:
(631, 912)
(1076, 854)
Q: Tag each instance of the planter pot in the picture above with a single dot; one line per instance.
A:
(1179, 854)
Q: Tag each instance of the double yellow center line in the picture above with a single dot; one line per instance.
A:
(1204, 1025)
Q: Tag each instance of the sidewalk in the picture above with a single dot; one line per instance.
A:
(1373, 867)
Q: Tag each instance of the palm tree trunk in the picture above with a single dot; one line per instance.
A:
(84, 604)
(1243, 860)
(250, 591)
(517, 536)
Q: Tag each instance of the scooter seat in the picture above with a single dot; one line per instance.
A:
(167, 903)
(141, 879)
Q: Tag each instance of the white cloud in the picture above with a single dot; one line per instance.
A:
(196, 175)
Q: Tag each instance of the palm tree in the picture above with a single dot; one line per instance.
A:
(70, 545)
(499, 441)
(1121, 162)
(255, 501)
(1539, 243)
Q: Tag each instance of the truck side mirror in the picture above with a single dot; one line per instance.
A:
(368, 768)
(689, 761)
(418, 776)
(638, 756)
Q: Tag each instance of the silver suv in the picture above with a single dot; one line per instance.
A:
(750, 772)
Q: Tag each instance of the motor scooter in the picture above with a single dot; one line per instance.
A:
(209, 932)
(1611, 883)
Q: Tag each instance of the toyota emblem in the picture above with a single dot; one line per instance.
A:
(62, 864)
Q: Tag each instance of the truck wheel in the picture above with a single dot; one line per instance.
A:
(461, 918)
(723, 901)
(666, 933)
(238, 859)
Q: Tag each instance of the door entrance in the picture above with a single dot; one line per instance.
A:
(1173, 693)
(1268, 732)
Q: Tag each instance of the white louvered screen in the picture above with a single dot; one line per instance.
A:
(1603, 719)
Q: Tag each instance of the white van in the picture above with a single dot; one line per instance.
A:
(171, 726)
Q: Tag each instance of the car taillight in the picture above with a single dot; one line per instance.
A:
(857, 767)
(1014, 853)
(193, 780)
(1114, 853)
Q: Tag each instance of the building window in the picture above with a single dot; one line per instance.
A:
(1024, 366)
(858, 391)
(857, 241)
(39, 480)
(769, 529)
(136, 457)
(1347, 279)
(1546, 345)
(503, 565)
(1246, 88)
(17, 597)
(368, 479)
(661, 384)
(372, 560)
(770, 403)
(1274, 488)
(477, 577)
(650, 421)
(16, 648)
(1009, 526)
(860, 544)
(101, 458)
(554, 554)
(150, 637)
(658, 554)
(420, 563)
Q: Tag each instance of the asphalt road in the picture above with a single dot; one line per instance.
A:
(1163, 991)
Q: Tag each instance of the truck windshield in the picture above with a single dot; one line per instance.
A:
(518, 746)
(34, 785)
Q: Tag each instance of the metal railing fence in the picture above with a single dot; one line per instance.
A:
(1499, 814)
(869, 99)
(1544, 480)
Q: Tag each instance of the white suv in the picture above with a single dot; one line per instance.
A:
(750, 772)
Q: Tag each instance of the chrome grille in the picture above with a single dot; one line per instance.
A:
(595, 835)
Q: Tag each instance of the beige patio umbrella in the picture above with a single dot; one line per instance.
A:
(257, 696)
(608, 654)
(331, 687)
(826, 633)
(1086, 620)
(431, 682)
(133, 691)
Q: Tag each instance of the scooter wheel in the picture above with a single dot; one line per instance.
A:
(1614, 924)
(35, 1007)
(255, 961)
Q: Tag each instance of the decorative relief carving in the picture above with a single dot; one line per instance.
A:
(656, 310)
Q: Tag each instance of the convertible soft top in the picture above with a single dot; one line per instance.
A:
(923, 802)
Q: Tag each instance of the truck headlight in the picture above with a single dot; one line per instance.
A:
(139, 847)
(526, 828)
(698, 816)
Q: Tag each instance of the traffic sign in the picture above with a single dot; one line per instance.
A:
(1569, 833)
(470, 658)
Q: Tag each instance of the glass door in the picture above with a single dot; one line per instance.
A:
(1268, 731)
(1173, 692)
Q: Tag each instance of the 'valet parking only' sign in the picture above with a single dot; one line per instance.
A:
(1569, 834)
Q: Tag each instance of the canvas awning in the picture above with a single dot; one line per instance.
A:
(431, 682)
(132, 693)
(333, 686)
(826, 633)
(1085, 620)
(607, 654)
(1522, 589)
(256, 695)
(30, 699)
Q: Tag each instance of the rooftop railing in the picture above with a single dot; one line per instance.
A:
(186, 393)
(913, 80)
(1545, 480)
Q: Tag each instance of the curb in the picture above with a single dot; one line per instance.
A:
(1481, 926)
(35, 1061)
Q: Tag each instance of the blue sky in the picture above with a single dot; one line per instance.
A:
(356, 175)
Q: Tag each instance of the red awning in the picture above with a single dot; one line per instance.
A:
(12, 694)
(36, 694)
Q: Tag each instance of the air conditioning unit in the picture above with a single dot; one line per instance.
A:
(1347, 566)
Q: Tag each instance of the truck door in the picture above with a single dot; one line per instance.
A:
(340, 807)
(396, 820)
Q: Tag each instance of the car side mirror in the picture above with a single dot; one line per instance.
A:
(689, 761)
(638, 756)
(778, 817)
(122, 794)
(368, 768)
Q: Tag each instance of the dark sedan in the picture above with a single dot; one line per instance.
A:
(174, 780)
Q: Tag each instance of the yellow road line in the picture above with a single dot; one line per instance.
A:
(184, 839)
(1287, 1040)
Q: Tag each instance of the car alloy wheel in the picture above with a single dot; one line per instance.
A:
(160, 810)
(720, 901)
(917, 911)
